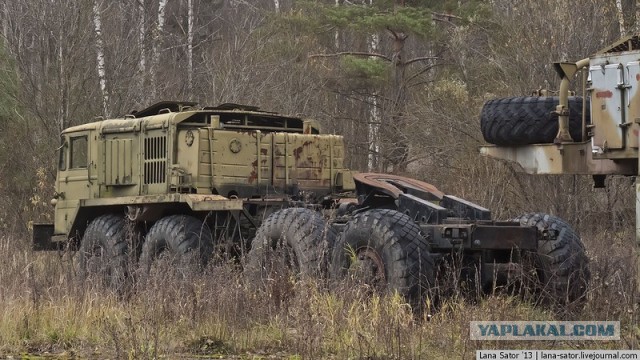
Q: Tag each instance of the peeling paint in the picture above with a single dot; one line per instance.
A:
(604, 94)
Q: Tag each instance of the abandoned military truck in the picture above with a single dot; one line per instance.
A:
(196, 182)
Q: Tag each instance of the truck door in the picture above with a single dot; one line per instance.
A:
(76, 172)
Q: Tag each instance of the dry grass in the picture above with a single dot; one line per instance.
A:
(45, 308)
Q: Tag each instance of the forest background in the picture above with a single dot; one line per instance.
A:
(403, 81)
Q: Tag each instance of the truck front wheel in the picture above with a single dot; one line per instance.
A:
(104, 251)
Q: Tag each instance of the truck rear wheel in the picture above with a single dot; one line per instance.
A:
(561, 262)
(185, 240)
(104, 251)
(528, 120)
(293, 239)
(385, 249)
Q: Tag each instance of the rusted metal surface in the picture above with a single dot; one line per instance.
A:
(195, 201)
(567, 158)
(393, 185)
(371, 265)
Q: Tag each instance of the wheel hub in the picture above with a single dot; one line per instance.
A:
(371, 266)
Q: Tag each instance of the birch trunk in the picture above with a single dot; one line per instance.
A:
(97, 26)
(637, 30)
(337, 33)
(63, 110)
(373, 126)
(5, 22)
(623, 31)
(142, 64)
(276, 5)
(162, 4)
(190, 49)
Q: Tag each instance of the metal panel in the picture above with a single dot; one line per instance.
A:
(465, 209)
(632, 113)
(420, 210)
(607, 106)
(196, 202)
(42, 234)
(505, 237)
(575, 158)
(118, 162)
(155, 160)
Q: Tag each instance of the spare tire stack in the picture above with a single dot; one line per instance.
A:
(529, 120)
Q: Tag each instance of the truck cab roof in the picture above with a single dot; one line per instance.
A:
(227, 115)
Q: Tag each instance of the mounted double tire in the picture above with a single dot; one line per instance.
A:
(386, 250)
(103, 253)
(561, 262)
(528, 120)
(185, 241)
(292, 240)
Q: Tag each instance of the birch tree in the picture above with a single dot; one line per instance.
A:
(637, 23)
(142, 62)
(620, 13)
(97, 27)
(190, 22)
(373, 127)
(155, 61)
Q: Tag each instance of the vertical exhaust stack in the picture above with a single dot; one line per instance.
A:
(566, 72)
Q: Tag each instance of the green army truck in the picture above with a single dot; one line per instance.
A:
(232, 180)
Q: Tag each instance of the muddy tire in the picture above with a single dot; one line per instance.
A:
(386, 250)
(186, 241)
(104, 251)
(528, 120)
(294, 240)
(561, 262)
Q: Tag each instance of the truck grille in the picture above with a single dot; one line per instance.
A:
(155, 160)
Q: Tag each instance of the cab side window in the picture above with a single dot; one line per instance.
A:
(78, 152)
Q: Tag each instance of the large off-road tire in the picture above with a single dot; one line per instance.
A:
(528, 120)
(294, 240)
(385, 249)
(562, 266)
(104, 251)
(186, 241)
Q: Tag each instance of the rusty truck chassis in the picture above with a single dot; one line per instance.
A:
(454, 228)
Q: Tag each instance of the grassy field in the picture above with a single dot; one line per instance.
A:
(45, 309)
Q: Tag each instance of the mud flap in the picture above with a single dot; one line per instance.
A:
(42, 234)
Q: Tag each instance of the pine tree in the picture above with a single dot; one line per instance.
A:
(384, 48)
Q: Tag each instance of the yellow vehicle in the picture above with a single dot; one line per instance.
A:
(196, 181)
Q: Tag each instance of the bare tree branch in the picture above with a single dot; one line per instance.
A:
(444, 17)
(422, 58)
(352, 53)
